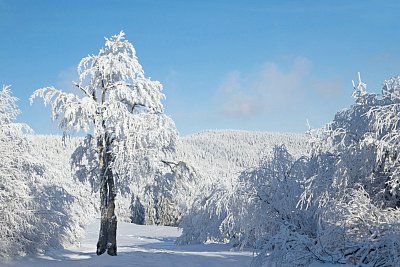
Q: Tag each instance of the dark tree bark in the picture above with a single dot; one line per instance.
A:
(108, 225)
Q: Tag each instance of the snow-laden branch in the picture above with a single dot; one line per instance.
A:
(8, 106)
(73, 113)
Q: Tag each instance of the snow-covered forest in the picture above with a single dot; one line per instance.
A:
(330, 195)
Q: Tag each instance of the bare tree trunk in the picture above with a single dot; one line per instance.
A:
(102, 242)
(108, 225)
(112, 221)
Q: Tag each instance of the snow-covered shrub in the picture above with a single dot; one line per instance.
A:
(354, 230)
(166, 196)
(253, 205)
(202, 222)
(37, 210)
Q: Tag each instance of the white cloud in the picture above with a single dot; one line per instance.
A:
(269, 89)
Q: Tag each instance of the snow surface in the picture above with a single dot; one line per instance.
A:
(138, 245)
(141, 245)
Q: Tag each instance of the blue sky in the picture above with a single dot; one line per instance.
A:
(253, 65)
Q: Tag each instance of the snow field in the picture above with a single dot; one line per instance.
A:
(138, 245)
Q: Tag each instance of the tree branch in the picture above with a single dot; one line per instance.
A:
(82, 89)
(170, 164)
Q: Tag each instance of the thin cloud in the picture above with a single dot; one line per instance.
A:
(327, 88)
(269, 89)
(236, 101)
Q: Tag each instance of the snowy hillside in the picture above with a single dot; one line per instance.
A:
(220, 154)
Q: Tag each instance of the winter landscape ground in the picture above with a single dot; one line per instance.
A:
(142, 246)
(139, 245)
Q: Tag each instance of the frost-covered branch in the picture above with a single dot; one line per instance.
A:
(8, 106)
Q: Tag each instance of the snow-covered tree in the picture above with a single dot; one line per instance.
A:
(362, 187)
(122, 109)
(363, 144)
(350, 186)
